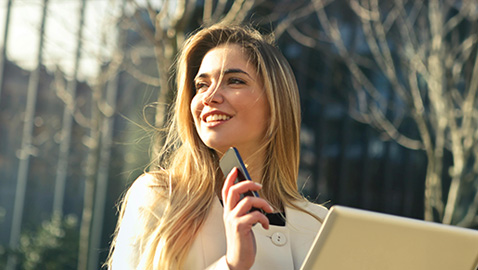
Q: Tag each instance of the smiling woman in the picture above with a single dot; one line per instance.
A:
(230, 106)
(234, 89)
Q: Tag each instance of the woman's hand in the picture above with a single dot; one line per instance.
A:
(241, 247)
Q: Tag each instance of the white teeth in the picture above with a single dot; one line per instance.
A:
(217, 117)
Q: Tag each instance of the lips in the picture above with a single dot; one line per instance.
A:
(215, 116)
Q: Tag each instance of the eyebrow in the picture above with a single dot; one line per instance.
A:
(227, 71)
(236, 70)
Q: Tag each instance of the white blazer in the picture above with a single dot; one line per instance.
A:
(279, 247)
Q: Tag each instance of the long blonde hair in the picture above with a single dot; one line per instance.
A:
(187, 170)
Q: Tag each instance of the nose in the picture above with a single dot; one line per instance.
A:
(213, 95)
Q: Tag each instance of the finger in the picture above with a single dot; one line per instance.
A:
(244, 187)
(228, 183)
(245, 205)
(234, 192)
(252, 218)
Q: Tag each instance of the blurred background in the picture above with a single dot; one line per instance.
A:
(389, 93)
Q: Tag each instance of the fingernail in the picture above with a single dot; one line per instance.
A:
(258, 184)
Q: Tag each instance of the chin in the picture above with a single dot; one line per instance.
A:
(221, 148)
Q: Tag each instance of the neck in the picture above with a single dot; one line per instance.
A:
(255, 165)
(254, 161)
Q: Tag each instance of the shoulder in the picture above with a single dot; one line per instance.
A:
(317, 209)
(148, 186)
(139, 214)
(307, 209)
(145, 184)
(146, 194)
(304, 220)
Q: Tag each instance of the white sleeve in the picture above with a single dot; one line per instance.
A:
(220, 264)
(128, 247)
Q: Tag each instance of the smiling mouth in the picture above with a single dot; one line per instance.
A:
(216, 118)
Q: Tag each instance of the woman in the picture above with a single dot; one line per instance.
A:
(234, 89)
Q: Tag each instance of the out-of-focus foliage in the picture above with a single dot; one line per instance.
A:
(53, 245)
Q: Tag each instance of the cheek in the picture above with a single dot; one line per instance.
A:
(196, 107)
(264, 114)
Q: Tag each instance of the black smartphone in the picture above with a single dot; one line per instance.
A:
(232, 159)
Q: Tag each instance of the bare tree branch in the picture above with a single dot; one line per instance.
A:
(63, 95)
(293, 16)
(232, 15)
(470, 103)
(141, 77)
(425, 69)
(219, 11)
(207, 12)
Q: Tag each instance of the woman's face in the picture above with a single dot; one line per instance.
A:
(230, 107)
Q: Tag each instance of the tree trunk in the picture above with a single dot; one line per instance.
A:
(27, 147)
(91, 172)
(3, 55)
(63, 157)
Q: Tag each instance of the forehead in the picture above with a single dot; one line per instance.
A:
(226, 57)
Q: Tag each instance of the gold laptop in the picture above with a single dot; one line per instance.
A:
(363, 240)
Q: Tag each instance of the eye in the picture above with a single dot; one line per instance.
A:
(236, 81)
(200, 86)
